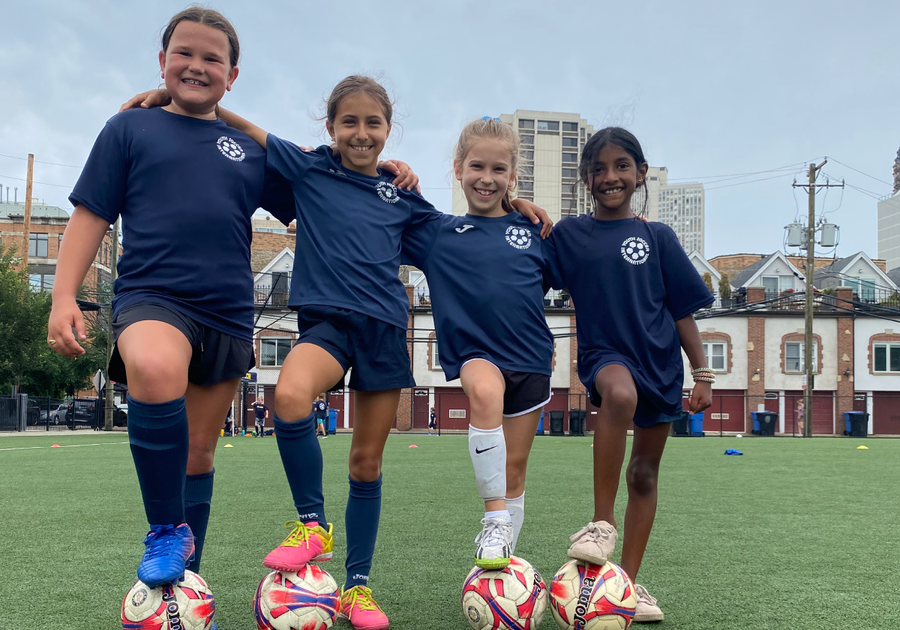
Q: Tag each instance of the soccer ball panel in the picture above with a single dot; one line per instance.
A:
(514, 598)
(590, 597)
(306, 600)
(187, 605)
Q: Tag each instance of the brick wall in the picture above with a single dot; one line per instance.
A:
(756, 365)
(404, 410)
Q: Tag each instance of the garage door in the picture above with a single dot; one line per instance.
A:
(886, 413)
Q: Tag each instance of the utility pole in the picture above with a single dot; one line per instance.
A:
(114, 260)
(810, 272)
(26, 229)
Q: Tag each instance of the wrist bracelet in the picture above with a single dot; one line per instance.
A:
(703, 370)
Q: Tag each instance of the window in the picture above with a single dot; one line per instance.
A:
(526, 170)
(715, 355)
(435, 358)
(37, 245)
(273, 351)
(570, 158)
(526, 154)
(569, 204)
(526, 186)
(570, 126)
(548, 125)
(887, 357)
(526, 139)
(526, 124)
(39, 283)
(570, 142)
(570, 173)
(793, 357)
(770, 284)
(864, 288)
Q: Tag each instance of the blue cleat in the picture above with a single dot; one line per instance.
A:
(168, 550)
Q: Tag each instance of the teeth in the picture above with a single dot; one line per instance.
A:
(360, 148)
(193, 82)
(486, 193)
(612, 191)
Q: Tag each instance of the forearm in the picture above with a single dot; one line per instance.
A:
(690, 341)
(241, 124)
(77, 251)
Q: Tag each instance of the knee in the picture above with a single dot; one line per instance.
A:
(364, 465)
(200, 456)
(620, 399)
(291, 402)
(156, 378)
(641, 477)
(485, 399)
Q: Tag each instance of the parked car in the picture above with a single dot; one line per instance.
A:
(58, 415)
(82, 412)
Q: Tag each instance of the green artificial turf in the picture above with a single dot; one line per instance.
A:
(795, 534)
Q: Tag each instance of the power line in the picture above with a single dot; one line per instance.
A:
(15, 157)
(881, 181)
(19, 179)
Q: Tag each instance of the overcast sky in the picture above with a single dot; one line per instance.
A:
(710, 88)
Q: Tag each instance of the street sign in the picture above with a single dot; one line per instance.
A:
(98, 381)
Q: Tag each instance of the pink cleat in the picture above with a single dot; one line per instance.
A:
(306, 543)
(360, 608)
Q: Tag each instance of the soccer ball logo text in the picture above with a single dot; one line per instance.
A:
(635, 250)
(518, 237)
(231, 149)
(387, 192)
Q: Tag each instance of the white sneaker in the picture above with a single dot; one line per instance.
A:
(646, 609)
(593, 543)
(494, 543)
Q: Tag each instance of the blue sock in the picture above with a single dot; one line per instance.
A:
(198, 491)
(158, 434)
(301, 457)
(361, 522)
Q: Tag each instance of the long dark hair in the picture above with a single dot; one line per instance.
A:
(620, 138)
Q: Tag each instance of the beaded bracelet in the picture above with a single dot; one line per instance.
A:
(702, 370)
(704, 379)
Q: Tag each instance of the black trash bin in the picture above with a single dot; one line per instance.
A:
(768, 420)
(556, 422)
(681, 425)
(576, 422)
(859, 424)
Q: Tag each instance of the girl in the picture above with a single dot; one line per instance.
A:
(492, 333)
(352, 313)
(632, 323)
(320, 410)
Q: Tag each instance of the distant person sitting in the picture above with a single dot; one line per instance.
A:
(262, 414)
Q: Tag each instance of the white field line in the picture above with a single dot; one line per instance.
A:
(28, 448)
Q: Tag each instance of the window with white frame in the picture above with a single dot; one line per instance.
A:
(794, 352)
(435, 359)
(273, 351)
(886, 357)
(716, 355)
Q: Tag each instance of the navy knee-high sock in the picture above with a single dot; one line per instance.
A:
(301, 457)
(198, 491)
(158, 434)
(361, 521)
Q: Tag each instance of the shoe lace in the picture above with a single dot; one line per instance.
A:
(161, 540)
(496, 531)
(643, 595)
(361, 598)
(299, 535)
(594, 533)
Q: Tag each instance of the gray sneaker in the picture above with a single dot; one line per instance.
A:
(593, 543)
(646, 609)
(494, 543)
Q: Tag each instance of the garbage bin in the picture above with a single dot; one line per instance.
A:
(540, 426)
(755, 416)
(696, 424)
(681, 426)
(768, 420)
(332, 421)
(576, 422)
(556, 422)
(856, 423)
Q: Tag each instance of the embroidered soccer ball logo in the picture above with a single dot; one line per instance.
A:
(518, 237)
(388, 192)
(635, 250)
(230, 149)
(139, 597)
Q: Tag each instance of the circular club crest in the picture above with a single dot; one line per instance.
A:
(139, 597)
(518, 237)
(388, 192)
(231, 149)
(635, 250)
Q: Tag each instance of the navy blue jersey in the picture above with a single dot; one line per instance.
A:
(259, 410)
(630, 282)
(485, 275)
(320, 408)
(185, 189)
(349, 227)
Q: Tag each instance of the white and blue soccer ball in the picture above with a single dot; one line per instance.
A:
(308, 598)
(187, 605)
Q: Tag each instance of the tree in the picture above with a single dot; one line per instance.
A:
(707, 279)
(725, 287)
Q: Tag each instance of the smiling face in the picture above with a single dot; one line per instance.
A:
(360, 130)
(197, 69)
(614, 176)
(486, 176)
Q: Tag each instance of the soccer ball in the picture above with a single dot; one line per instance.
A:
(187, 605)
(514, 598)
(308, 599)
(591, 597)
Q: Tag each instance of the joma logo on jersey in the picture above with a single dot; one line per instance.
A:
(388, 192)
(231, 149)
(359, 576)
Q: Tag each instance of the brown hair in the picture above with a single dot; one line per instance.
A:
(488, 128)
(358, 84)
(207, 17)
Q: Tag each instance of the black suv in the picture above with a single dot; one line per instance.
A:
(89, 412)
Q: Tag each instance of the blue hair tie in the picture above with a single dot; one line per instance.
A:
(490, 118)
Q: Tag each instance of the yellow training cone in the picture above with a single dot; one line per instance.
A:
(862, 448)
(228, 446)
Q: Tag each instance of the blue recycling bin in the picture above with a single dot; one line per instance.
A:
(332, 421)
(755, 416)
(540, 426)
(856, 423)
(696, 424)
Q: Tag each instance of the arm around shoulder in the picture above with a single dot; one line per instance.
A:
(231, 119)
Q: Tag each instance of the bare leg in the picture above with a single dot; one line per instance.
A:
(519, 433)
(484, 386)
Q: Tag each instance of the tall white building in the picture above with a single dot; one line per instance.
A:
(551, 144)
(889, 230)
(680, 206)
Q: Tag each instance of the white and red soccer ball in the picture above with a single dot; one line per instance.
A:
(592, 597)
(306, 600)
(514, 598)
(187, 605)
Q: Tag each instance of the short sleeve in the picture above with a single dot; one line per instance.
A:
(278, 198)
(421, 232)
(553, 276)
(685, 290)
(289, 160)
(102, 185)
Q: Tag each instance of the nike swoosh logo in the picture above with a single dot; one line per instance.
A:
(464, 228)
(477, 452)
